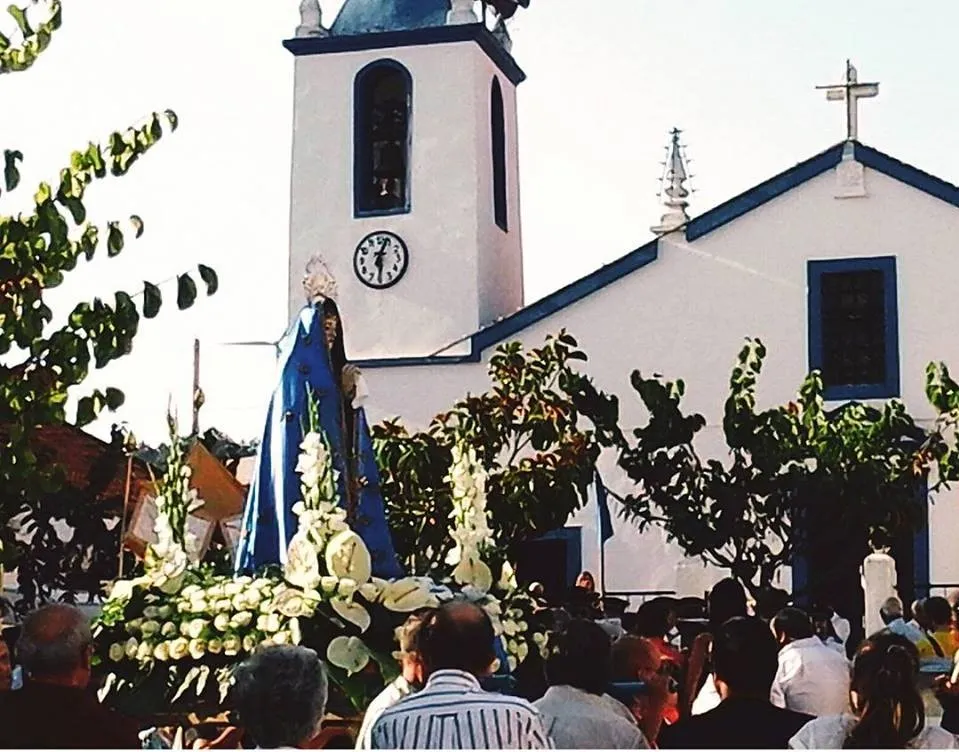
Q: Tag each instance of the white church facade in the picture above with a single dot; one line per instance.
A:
(405, 179)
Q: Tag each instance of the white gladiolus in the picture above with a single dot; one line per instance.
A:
(116, 652)
(179, 649)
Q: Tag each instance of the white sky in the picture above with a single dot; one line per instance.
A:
(604, 88)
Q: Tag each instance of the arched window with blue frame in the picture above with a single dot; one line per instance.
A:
(382, 112)
(498, 144)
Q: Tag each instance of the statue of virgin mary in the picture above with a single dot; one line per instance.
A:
(313, 360)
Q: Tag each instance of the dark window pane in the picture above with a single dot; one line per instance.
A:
(383, 147)
(498, 132)
(853, 328)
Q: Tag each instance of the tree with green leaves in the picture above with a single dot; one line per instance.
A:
(42, 363)
(799, 480)
(529, 432)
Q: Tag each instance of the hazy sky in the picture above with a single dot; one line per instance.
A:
(604, 88)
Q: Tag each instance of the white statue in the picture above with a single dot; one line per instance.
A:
(878, 583)
(311, 20)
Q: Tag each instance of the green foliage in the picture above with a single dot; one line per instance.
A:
(526, 432)
(38, 249)
(857, 467)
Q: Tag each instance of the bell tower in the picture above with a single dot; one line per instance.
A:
(405, 176)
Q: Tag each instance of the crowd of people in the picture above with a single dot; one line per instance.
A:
(613, 679)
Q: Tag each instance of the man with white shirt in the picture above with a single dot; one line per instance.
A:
(812, 678)
(456, 645)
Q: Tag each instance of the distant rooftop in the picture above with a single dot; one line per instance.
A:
(372, 16)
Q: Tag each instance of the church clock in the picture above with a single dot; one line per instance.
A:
(381, 259)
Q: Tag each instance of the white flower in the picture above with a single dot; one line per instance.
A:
(130, 648)
(281, 638)
(232, 589)
(249, 643)
(373, 590)
(510, 628)
(473, 571)
(222, 622)
(144, 652)
(116, 652)
(165, 611)
(133, 626)
(122, 590)
(150, 628)
(513, 663)
(196, 628)
(406, 595)
(352, 612)
(169, 629)
(251, 598)
(179, 649)
(224, 606)
(272, 623)
(539, 639)
(197, 649)
(242, 619)
(346, 588)
(347, 557)
(151, 612)
(231, 645)
(215, 646)
(329, 585)
(290, 604)
(348, 653)
(162, 651)
(296, 636)
(189, 590)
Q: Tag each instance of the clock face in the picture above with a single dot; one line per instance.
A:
(381, 259)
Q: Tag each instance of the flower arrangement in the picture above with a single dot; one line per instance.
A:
(181, 626)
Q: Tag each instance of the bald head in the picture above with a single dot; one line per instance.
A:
(54, 644)
(459, 636)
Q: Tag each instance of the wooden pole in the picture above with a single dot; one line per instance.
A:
(123, 519)
(196, 387)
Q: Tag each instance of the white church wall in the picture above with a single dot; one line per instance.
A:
(686, 314)
(437, 300)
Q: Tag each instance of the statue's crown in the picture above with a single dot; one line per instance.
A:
(319, 282)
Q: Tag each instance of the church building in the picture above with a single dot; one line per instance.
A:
(405, 179)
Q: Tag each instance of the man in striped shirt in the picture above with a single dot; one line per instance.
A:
(452, 711)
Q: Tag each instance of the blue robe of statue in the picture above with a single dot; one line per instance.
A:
(268, 519)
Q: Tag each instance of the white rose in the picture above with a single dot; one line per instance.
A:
(189, 590)
(249, 643)
(199, 606)
(116, 652)
(150, 628)
(281, 638)
(231, 645)
(329, 584)
(144, 652)
(232, 589)
(242, 619)
(185, 628)
(133, 626)
(261, 622)
(260, 582)
(240, 602)
(197, 649)
(130, 648)
(217, 591)
(151, 612)
(215, 646)
(196, 628)
(224, 606)
(169, 629)
(165, 612)
(272, 623)
(121, 590)
(179, 649)
(162, 651)
(222, 622)
(346, 588)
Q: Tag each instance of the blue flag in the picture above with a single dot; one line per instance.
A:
(602, 504)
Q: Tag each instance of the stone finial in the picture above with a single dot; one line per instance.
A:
(676, 194)
(311, 20)
(461, 12)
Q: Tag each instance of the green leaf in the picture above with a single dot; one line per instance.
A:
(11, 175)
(114, 240)
(20, 16)
(209, 278)
(185, 291)
(86, 412)
(114, 398)
(137, 225)
(152, 300)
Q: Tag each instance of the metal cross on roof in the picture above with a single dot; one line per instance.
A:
(851, 92)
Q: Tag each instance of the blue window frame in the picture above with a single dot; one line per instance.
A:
(498, 144)
(382, 128)
(854, 327)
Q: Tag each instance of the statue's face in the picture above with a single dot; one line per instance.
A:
(330, 326)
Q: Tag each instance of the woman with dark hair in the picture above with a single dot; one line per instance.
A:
(887, 709)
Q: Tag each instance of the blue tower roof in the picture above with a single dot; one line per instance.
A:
(371, 16)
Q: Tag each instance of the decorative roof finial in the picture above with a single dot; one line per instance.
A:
(319, 282)
(674, 177)
(461, 12)
(311, 20)
(850, 92)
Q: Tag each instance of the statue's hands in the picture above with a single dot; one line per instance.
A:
(351, 375)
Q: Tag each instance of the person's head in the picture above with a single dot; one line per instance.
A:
(280, 695)
(6, 667)
(938, 613)
(918, 610)
(771, 602)
(580, 657)
(586, 581)
(652, 619)
(333, 333)
(953, 597)
(791, 624)
(884, 695)
(459, 636)
(726, 600)
(56, 645)
(635, 659)
(411, 661)
(890, 610)
(745, 658)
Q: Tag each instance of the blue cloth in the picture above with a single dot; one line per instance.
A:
(268, 519)
(602, 502)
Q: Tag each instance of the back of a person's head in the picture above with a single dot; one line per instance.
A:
(652, 619)
(630, 656)
(938, 612)
(884, 694)
(726, 600)
(54, 642)
(890, 610)
(770, 603)
(745, 656)
(280, 695)
(408, 634)
(459, 636)
(918, 610)
(792, 624)
(580, 657)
